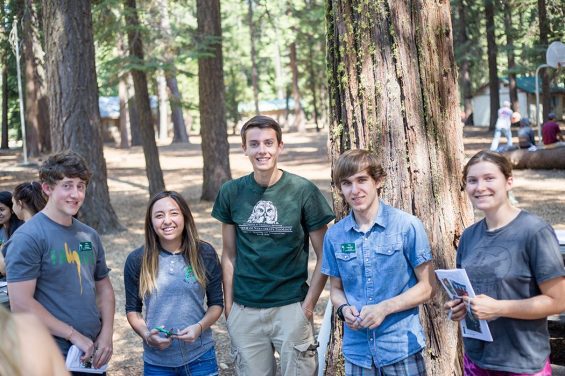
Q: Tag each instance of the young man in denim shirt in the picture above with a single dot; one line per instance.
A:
(378, 260)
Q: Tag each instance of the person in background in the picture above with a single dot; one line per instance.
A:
(9, 222)
(26, 348)
(551, 133)
(178, 278)
(526, 137)
(502, 126)
(513, 262)
(378, 259)
(28, 200)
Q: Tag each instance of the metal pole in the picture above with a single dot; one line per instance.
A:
(16, 44)
(537, 101)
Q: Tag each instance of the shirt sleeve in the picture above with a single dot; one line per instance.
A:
(20, 265)
(221, 210)
(132, 270)
(329, 263)
(417, 249)
(101, 271)
(545, 259)
(317, 211)
(214, 291)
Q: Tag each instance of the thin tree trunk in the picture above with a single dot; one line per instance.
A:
(299, 123)
(163, 113)
(73, 96)
(147, 132)
(392, 77)
(180, 134)
(124, 118)
(37, 106)
(544, 31)
(312, 81)
(4, 144)
(509, 31)
(493, 82)
(134, 120)
(465, 67)
(211, 90)
(31, 90)
(254, 74)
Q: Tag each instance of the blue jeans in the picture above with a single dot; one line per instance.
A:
(496, 139)
(206, 365)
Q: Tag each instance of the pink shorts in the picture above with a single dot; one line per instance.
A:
(471, 369)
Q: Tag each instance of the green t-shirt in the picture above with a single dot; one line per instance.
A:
(272, 226)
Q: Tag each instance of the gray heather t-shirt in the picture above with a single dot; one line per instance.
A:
(66, 261)
(178, 302)
(510, 263)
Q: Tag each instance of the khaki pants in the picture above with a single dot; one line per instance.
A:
(256, 332)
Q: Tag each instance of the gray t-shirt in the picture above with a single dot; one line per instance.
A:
(66, 261)
(510, 263)
(178, 302)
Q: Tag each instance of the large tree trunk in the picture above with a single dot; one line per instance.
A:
(73, 101)
(213, 127)
(493, 83)
(544, 31)
(4, 144)
(393, 79)
(254, 74)
(509, 31)
(147, 132)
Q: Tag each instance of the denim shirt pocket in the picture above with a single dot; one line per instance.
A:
(389, 257)
(348, 265)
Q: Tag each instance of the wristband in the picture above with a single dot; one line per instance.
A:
(201, 329)
(339, 311)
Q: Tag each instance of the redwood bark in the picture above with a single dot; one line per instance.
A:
(213, 127)
(147, 132)
(73, 101)
(392, 77)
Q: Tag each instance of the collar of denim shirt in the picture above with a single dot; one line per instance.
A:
(379, 220)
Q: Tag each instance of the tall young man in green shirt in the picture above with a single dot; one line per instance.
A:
(267, 219)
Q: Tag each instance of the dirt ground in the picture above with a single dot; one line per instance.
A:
(540, 192)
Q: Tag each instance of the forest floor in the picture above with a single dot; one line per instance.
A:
(538, 191)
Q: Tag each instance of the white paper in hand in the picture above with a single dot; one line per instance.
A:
(74, 364)
(457, 285)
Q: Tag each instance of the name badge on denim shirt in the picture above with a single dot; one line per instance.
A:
(348, 248)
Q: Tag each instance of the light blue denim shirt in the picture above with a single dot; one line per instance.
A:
(374, 266)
